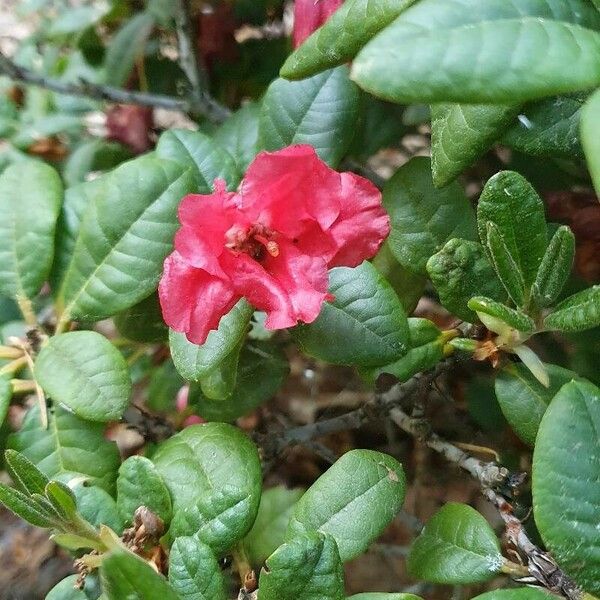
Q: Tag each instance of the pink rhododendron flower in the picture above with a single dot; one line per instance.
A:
(309, 15)
(270, 242)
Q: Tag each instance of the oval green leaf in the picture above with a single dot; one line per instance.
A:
(126, 575)
(261, 371)
(456, 546)
(555, 267)
(214, 476)
(495, 52)
(321, 111)
(565, 482)
(194, 572)
(143, 322)
(462, 133)
(201, 155)
(307, 567)
(354, 501)
(509, 202)
(139, 484)
(195, 362)
(524, 400)
(125, 235)
(69, 448)
(268, 532)
(239, 135)
(342, 36)
(590, 136)
(577, 313)
(5, 396)
(513, 317)
(366, 314)
(86, 373)
(424, 218)
(461, 270)
(30, 198)
(505, 266)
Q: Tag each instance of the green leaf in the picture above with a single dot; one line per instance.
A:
(268, 532)
(517, 594)
(461, 270)
(239, 135)
(523, 399)
(549, 127)
(165, 383)
(509, 201)
(200, 154)
(354, 501)
(424, 218)
(143, 322)
(409, 286)
(495, 52)
(214, 476)
(98, 507)
(565, 483)
(262, 369)
(426, 350)
(366, 314)
(5, 397)
(321, 111)
(555, 267)
(25, 507)
(457, 545)
(513, 317)
(124, 238)
(576, 313)
(126, 47)
(93, 155)
(62, 498)
(30, 198)
(76, 201)
(86, 373)
(590, 136)
(219, 384)
(342, 36)
(70, 447)
(139, 484)
(66, 590)
(383, 596)
(24, 474)
(194, 572)
(505, 266)
(462, 133)
(126, 576)
(306, 568)
(195, 362)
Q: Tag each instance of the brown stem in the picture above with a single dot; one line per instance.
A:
(204, 105)
(540, 564)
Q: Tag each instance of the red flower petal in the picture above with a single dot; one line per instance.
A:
(192, 300)
(287, 188)
(309, 15)
(290, 287)
(362, 225)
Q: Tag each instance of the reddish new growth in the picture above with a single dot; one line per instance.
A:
(270, 242)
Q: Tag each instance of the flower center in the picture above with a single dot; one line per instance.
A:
(257, 241)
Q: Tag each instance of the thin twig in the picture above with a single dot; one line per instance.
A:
(206, 106)
(540, 564)
(273, 445)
